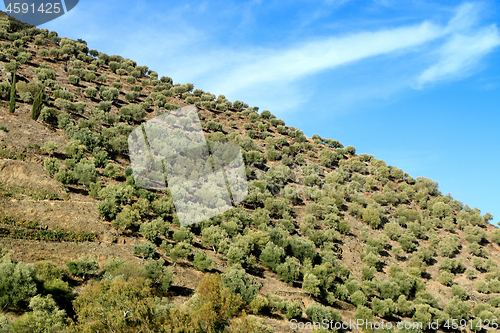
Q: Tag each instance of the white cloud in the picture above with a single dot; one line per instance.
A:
(460, 55)
(313, 57)
(466, 44)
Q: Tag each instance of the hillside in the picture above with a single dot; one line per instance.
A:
(324, 233)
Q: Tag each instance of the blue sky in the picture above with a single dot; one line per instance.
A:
(415, 83)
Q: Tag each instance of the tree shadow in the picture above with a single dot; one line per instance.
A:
(180, 291)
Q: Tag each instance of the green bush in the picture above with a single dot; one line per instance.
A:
(446, 278)
(82, 267)
(111, 170)
(85, 173)
(183, 235)
(457, 309)
(201, 261)
(126, 218)
(383, 308)
(459, 292)
(239, 282)
(17, 282)
(358, 298)
(289, 270)
(144, 250)
(366, 315)
(272, 256)
(449, 246)
(51, 165)
(371, 215)
(180, 250)
(45, 316)
(310, 284)
(393, 230)
(317, 313)
(482, 287)
(454, 266)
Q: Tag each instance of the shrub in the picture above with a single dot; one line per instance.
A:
(145, 250)
(75, 149)
(459, 292)
(310, 284)
(183, 235)
(73, 79)
(358, 298)
(448, 247)
(82, 267)
(289, 270)
(85, 173)
(302, 248)
(371, 215)
(446, 278)
(393, 230)
(51, 165)
(272, 255)
(17, 282)
(482, 287)
(457, 309)
(366, 315)
(201, 261)
(91, 92)
(44, 316)
(180, 250)
(239, 282)
(126, 218)
(383, 307)
(453, 266)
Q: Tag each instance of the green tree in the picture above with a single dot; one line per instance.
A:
(12, 102)
(85, 173)
(75, 149)
(44, 316)
(117, 306)
(366, 315)
(310, 284)
(258, 304)
(239, 282)
(180, 250)
(37, 105)
(212, 235)
(82, 267)
(289, 270)
(383, 307)
(51, 165)
(91, 92)
(458, 309)
(317, 313)
(358, 298)
(495, 236)
(154, 269)
(17, 282)
(371, 215)
(50, 147)
(272, 256)
(145, 250)
(202, 262)
(126, 218)
(213, 305)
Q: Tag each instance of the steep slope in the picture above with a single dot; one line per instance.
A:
(323, 234)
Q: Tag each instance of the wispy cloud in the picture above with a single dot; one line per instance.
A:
(451, 51)
(312, 57)
(465, 46)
